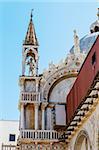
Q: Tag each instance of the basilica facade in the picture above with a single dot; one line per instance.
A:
(43, 98)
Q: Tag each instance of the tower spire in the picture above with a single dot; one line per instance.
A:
(31, 14)
(31, 38)
(30, 51)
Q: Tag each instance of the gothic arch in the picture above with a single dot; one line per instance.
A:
(54, 80)
(83, 141)
(57, 82)
(30, 51)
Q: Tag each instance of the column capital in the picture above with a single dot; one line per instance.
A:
(21, 81)
(22, 105)
(43, 105)
(36, 105)
(51, 105)
(37, 80)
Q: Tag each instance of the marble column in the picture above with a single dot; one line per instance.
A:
(36, 105)
(37, 90)
(22, 116)
(37, 66)
(49, 117)
(37, 84)
(43, 115)
(23, 62)
(51, 145)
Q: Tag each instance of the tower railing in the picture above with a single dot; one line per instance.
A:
(8, 147)
(30, 97)
(39, 134)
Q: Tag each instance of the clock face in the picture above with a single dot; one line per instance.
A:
(61, 90)
(30, 86)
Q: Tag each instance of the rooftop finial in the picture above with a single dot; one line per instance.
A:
(31, 13)
(76, 43)
(98, 13)
(75, 33)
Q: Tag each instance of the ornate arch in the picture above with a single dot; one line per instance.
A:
(56, 78)
(82, 135)
(30, 51)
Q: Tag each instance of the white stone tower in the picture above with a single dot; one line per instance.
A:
(29, 81)
(29, 86)
(33, 132)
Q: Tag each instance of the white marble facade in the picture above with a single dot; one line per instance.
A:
(43, 99)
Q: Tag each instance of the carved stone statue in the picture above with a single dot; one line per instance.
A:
(76, 43)
(31, 67)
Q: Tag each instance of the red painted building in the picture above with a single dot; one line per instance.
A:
(84, 81)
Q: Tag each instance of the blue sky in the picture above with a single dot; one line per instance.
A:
(54, 24)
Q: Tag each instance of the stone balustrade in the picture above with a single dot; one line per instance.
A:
(8, 147)
(39, 134)
(30, 97)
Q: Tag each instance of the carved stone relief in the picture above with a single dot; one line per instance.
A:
(30, 86)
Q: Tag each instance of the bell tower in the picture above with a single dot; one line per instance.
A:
(29, 81)
(30, 52)
(35, 112)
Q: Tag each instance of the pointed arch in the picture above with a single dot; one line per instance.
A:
(83, 141)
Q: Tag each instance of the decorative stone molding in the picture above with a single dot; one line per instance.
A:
(51, 105)
(72, 62)
(65, 69)
(43, 106)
